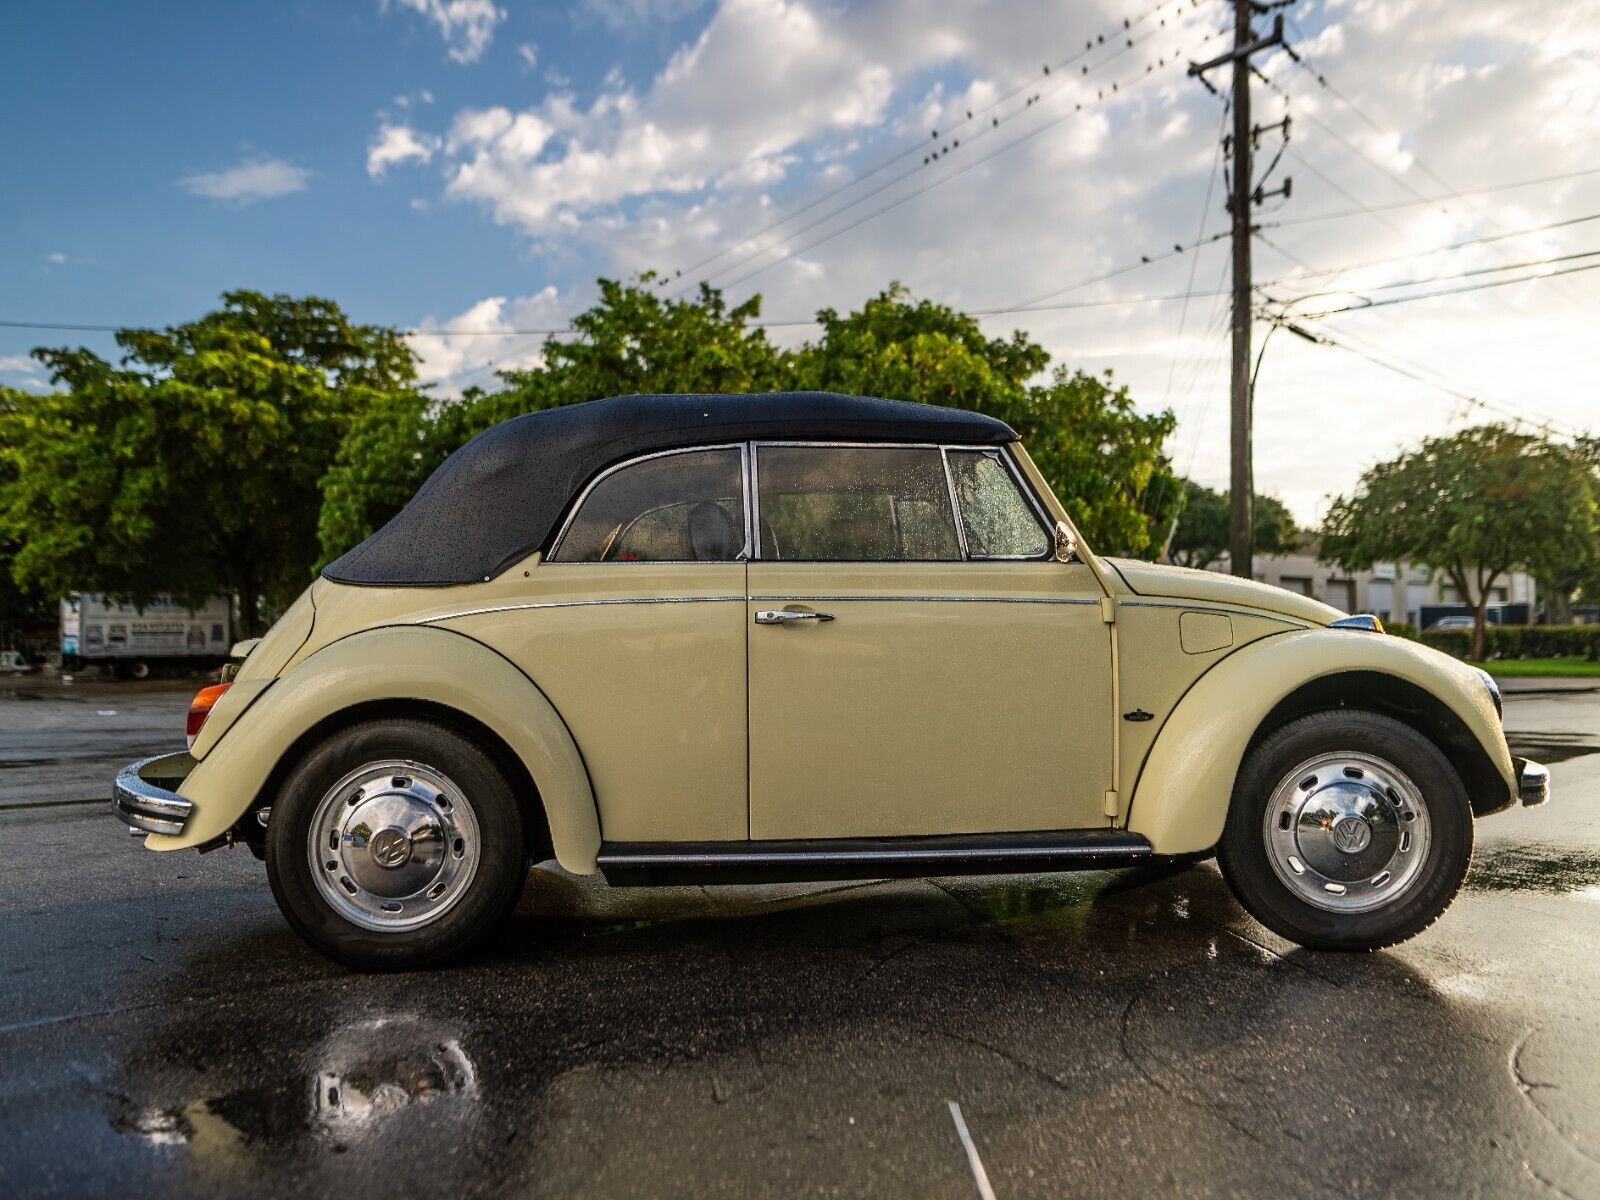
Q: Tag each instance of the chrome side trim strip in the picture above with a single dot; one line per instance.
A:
(807, 598)
(496, 608)
(1202, 606)
(771, 858)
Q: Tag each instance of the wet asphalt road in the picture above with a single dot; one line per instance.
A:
(162, 1033)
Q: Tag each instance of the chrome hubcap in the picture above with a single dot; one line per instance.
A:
(394, 845)
(1347, 832)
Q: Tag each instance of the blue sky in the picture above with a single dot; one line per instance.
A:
(107, 106)
(474, 164)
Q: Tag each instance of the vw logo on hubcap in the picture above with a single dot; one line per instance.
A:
(1351, 834)
(390, 847)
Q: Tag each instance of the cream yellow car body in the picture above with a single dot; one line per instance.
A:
(633, 724)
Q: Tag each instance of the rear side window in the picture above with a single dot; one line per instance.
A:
(997, 518)
(682, 507)
(855, 504)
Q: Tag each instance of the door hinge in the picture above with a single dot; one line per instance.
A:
(1108, 610)
(1113, 803)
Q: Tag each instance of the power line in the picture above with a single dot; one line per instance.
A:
(1477, 287)
(972, 116)
(1475, 271)
(1461, 245)
(1391, 207)
(1469, 398)
(1114, 90)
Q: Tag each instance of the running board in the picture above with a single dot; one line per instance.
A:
(654, 863)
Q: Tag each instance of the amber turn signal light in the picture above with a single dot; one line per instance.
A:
(200, 707)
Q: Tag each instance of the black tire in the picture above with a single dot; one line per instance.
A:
(1243, 851)
(485, 898)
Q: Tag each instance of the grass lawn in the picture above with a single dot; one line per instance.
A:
(1546, 667)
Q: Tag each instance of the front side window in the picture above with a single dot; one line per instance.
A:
(998, 520)
(855, 504)
(682, 507)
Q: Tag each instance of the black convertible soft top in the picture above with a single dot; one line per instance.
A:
(498, 498)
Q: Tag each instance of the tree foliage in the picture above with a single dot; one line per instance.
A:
(1203, 533)
(192, 466)
(1104, 457)
(1472, 506)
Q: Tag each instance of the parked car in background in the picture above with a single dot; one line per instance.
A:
(809, 636)
(1451, 623)
(14, 662)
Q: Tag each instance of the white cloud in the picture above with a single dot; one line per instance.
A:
(633, 14)
(758, 113)
(488, 336)
(23, 371)
(396, 144)
(467, 26)
(529, 54)
(253, 179)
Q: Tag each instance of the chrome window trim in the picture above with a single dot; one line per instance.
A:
(944, 449)
(955, 504)
(577, 506)
(751, 475)
(499, 608)
(1046, 526)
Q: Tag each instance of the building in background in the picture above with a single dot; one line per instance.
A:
(1390, 591)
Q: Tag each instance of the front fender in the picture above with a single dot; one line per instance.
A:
(1181, 799)
(397, 662)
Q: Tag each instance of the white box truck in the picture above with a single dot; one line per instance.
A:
(134, 641)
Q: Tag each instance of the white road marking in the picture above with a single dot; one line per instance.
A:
(979, 1175)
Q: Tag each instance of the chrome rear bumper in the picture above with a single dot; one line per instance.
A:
(1533, 782)
(142, 795)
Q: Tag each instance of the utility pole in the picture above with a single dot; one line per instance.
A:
(1242, 193)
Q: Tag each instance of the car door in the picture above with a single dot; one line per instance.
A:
(635, 633)
(918, 663)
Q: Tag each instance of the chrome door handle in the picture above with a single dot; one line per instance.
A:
(783, 616)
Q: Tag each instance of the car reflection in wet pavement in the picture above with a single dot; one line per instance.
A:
(162, 1033)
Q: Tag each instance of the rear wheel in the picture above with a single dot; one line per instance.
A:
(395, 844)
(1347, 831)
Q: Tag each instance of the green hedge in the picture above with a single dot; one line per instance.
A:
(1401, 629)
(1522, 641)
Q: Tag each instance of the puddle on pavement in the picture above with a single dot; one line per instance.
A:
(1552, 747)
(1535, 868)
(361, 1077)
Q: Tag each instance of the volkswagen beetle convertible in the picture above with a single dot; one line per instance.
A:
(809, 636)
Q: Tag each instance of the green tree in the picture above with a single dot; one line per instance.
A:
(18, 605)
(1202, 534)
(1473, 506)
(1103, 457)
(631, 341)
(192, 467)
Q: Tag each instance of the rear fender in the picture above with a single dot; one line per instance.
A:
(1181, 799)
(396, 663)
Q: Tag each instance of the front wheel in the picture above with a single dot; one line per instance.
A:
(395, 844)
(1348, 831)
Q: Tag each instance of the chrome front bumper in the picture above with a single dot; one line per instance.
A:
(142, 795)
(1533, 782)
